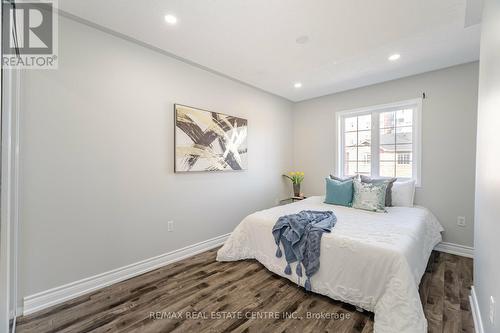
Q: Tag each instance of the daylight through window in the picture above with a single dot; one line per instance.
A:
(381, 141)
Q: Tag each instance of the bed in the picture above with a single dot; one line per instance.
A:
(371, 260)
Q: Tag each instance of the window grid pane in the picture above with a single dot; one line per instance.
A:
(357, 145)
(390, 153)
(395, 139)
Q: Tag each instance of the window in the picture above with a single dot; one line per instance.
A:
(381, 141)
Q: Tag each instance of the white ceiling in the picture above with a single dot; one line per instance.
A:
(254, 41)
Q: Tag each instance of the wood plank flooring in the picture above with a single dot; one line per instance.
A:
(199, 294)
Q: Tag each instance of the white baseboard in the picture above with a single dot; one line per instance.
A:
(476, 314)
(57, 295)
(71, 290)
(459, 250)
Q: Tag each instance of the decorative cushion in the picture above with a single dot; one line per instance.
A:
(343, 179)
(338, 193)
(388, 192)
(403, 193)
(369, 196)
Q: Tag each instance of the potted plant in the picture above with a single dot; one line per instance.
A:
(296, 177)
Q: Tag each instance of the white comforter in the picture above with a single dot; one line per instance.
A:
(371, 260)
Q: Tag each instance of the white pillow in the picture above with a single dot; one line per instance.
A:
(403, 193)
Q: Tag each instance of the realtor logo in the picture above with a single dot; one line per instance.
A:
(29, 34)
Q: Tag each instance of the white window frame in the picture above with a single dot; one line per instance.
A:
(416, 104)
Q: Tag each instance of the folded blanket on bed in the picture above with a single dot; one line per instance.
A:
(300, 235)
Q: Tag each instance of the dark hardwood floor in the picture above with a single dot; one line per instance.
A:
(186, 297)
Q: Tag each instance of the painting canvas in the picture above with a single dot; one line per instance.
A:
(209, 141)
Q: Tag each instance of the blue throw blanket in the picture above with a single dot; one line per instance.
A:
(300, 235)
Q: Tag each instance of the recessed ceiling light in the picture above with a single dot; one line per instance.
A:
(302, 39)
(170, 19)
(394, 57)
(297, 85)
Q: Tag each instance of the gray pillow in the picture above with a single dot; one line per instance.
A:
(342, 179)
(389, 181)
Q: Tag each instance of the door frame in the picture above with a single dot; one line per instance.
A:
(10, 84)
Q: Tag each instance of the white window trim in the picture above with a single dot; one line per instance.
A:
(417, 135)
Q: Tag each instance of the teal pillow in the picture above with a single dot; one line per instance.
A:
(339, 192)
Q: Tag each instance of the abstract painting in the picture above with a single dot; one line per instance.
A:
(209, 141)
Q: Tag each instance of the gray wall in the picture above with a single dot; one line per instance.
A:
(97, 180)
(448, 139)
(487, 229)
